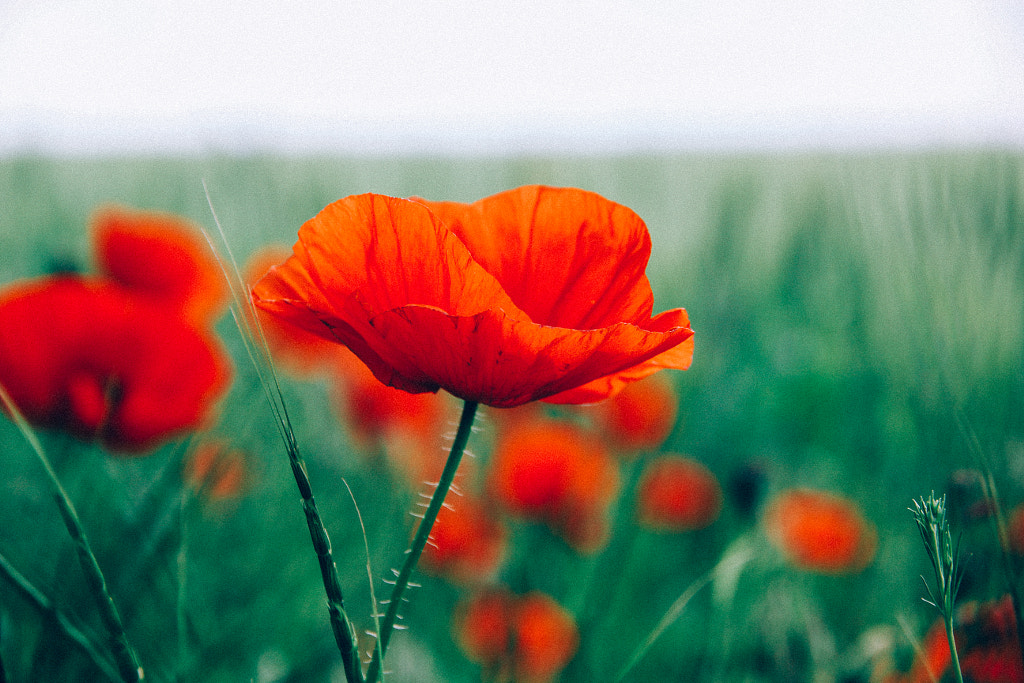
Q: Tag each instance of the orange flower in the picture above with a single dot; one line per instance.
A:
(819, 531)
(88, 357)
(466, 542)
(535, 293)
(555, 473)
(529, 638)
(216, 470)
(642, 415)
(678, 494)
(163, 257)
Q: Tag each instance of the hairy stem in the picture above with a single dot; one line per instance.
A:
(420, 539)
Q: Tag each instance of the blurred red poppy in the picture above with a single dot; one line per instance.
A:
(163, 257)
(820, 532)
(527, 639)
(467, 542)
(641, 416)
(86, 356)
(678, 494)
(555, 473)
(374, 410)
(535, 293)
(483, 626)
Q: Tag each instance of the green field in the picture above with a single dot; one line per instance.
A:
(859, 327)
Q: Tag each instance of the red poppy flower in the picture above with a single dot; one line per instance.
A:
(819, 531)
(555, 473)
(483, 626)
(678, 494)
(641, 416)
(535, 293)
(86, 356)
(528, 638)
(163, 257)
(466, 543)
(546, 638)
(374, 410)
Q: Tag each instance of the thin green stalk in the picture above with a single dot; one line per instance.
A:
(45, 604)
(256, 346)
(952, 650)
(930, 515)
(124, 655)
(422, 535)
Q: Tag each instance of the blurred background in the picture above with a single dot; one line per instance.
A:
(492, 77)
(835, 193)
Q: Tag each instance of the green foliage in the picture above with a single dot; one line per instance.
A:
(852, 314)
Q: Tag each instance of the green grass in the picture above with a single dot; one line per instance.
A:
(854, 317)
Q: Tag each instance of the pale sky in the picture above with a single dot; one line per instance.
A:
(95, 76)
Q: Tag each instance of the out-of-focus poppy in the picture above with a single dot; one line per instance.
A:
(467, 542)
(641, 416)
(374, 410)
(819, 531)
(986, 643)
(527, 639)
(545, 638)
(535, 293)
(89, 357)
(483, 626)
(163, 257)
(216, 470)
(556, 473)
(678, 494)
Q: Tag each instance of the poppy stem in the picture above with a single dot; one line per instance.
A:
(412, 555)
(125, 657)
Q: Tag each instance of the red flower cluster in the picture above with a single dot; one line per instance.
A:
(535, 293)
(820, 532)
(124, 357)
(987, 645)
(678, 494)
(528, 638)
(556, 473)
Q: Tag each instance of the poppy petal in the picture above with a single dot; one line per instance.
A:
(567, 257)
(676, 358)
(391, 253)
(503, 362)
